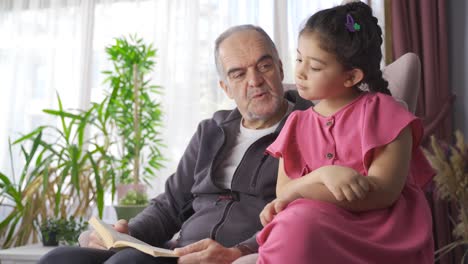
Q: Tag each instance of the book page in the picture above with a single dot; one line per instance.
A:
(143, 247)
(104, 230)
(124, 240)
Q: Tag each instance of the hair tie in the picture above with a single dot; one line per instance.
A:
(351, 26)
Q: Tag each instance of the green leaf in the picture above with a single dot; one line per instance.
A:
(58, 194)
(74, 156)
(11, 221)
(62, 118)
(13, 225)
(82, 126)
(5, 180)
(99, 188)
(45, 177)
(61, 113)
(7, 220)
(30, 135)
(29, 157)
(9, 188)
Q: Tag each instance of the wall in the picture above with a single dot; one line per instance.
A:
(458, 61)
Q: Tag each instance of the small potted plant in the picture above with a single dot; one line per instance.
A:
(55, 231)
(131, 204)
(70, 229)
(49, 232)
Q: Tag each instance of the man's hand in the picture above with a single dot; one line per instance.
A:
(91, 239)
(207, 251)
(272, 209)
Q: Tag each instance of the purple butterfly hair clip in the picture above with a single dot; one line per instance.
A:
(351, 26)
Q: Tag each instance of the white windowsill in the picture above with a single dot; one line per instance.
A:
(24, 254)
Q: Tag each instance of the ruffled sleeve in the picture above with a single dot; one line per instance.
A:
(286, 146)
(383, 120)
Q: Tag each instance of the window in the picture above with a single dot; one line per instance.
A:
(51, 47)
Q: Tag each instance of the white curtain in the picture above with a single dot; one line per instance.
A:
(39, 55)
(50, 46)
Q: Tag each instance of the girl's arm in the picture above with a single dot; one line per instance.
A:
(387, 173)
(343, 183)
(333, 178)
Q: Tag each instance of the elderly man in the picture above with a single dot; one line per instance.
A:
(224, 179)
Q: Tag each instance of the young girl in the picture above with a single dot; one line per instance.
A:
(351, 171)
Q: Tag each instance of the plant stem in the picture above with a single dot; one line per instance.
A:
(136, 125)
(447, 248)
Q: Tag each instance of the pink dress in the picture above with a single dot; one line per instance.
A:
(311, 231)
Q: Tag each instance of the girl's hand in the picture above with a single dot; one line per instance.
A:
(345, 183)
(272, 209)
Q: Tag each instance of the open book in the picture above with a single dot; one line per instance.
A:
(114, 239)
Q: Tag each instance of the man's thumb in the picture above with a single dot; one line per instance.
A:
(121, 226)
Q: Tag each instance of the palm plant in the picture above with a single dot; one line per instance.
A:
(133, 111)
(60, 169)
(65, 173)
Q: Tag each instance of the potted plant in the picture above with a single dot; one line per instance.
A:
(49, 233)
(451, 165)
(134, 115)
(131, 204)
(61, 167)
(55, 231)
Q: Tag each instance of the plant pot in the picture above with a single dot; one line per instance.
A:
(128, 211)
(49, 238)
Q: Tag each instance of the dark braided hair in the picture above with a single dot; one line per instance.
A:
(358, 49)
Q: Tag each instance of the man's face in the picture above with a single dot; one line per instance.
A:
(253, 76)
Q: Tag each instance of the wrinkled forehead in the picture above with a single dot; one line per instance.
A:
(244, 48)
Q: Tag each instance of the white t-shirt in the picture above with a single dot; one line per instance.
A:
(244, 139)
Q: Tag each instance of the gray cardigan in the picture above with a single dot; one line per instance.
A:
(195, 205)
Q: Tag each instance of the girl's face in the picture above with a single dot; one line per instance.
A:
(318, 74)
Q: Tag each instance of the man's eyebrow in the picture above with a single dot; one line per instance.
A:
(313, 58)
(264, 57)
(233, 70)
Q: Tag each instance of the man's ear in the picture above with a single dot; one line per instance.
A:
(225, 88)
(354, 76)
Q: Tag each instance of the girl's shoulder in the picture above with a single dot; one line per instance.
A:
(385, 101)
(384, 107)
(296, 115)
(383, 118)
(298, 122)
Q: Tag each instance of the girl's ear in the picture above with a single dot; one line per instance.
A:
(354, 76)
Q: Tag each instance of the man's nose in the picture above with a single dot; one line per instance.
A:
(255, 78)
